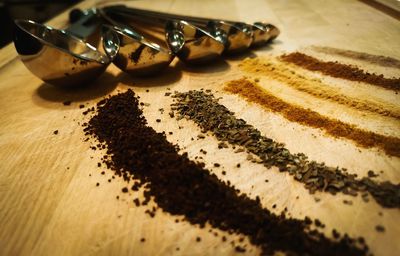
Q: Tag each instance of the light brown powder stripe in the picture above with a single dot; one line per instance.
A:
(254, 93)
(281, 73)
(339, 70)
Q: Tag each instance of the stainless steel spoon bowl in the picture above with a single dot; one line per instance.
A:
(56, 56)
(189, 42)
(264, 33)
(137, 55)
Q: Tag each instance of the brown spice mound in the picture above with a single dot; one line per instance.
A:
(336, 128)
(183, 187)
(339, 70)
(280, 72)
(209, 115)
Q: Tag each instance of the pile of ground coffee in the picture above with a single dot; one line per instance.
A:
(283, 73)
(339, 70)
(180, 186)
(252, 92)
(202, 108)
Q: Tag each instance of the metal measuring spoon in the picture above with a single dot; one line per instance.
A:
(136, 55)
(240, 35)
(56, 56)
(265, 33)
(189, 42)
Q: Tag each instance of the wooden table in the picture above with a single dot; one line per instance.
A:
(49, 202)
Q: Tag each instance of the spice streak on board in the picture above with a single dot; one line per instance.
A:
(339, 70)
(336, 128)
(362, 56)
(182, 187)
(202, 108)
(281, 72)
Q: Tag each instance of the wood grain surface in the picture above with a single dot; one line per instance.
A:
(49, 201)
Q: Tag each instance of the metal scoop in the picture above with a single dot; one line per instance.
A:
(137, 55)
(239, 35)
(189, 42)
(56, 56)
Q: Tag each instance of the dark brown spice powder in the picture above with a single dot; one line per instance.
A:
(182, 187)
(335, 69)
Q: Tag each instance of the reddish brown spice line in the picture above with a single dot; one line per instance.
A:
(339, 70)
(183, 187)
(336, 128)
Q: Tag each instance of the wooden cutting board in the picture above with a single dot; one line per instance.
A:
(49, 201)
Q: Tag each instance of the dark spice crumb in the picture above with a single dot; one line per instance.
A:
(143, 240)
(97, 184)
(380, 228)
(371, 174)
(238, 165)
(158, 120)
(81, 106)
(198, 239)
(240, 249)
(335, 234)
(223, 172)
(55, 132)
(217, 165)
(348, 202)
(67, 103)
(125, 190)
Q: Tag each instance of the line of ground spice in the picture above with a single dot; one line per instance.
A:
(180, 186)
(280, 71)
(252, 92)
(380, 60)
(202, 108)
(339, 70)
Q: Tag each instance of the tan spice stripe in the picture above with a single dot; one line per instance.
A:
(339, 70)
(314, 87)
(254, 93)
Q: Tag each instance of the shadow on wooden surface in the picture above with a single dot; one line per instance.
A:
(217, 66)
(168, 76)
(240, 55)
(47, 94)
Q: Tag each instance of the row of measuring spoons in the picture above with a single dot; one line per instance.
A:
(63, 58)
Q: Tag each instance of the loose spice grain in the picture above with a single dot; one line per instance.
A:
(336, 128)
(183, 187)
(339, 70)
(205, 110)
